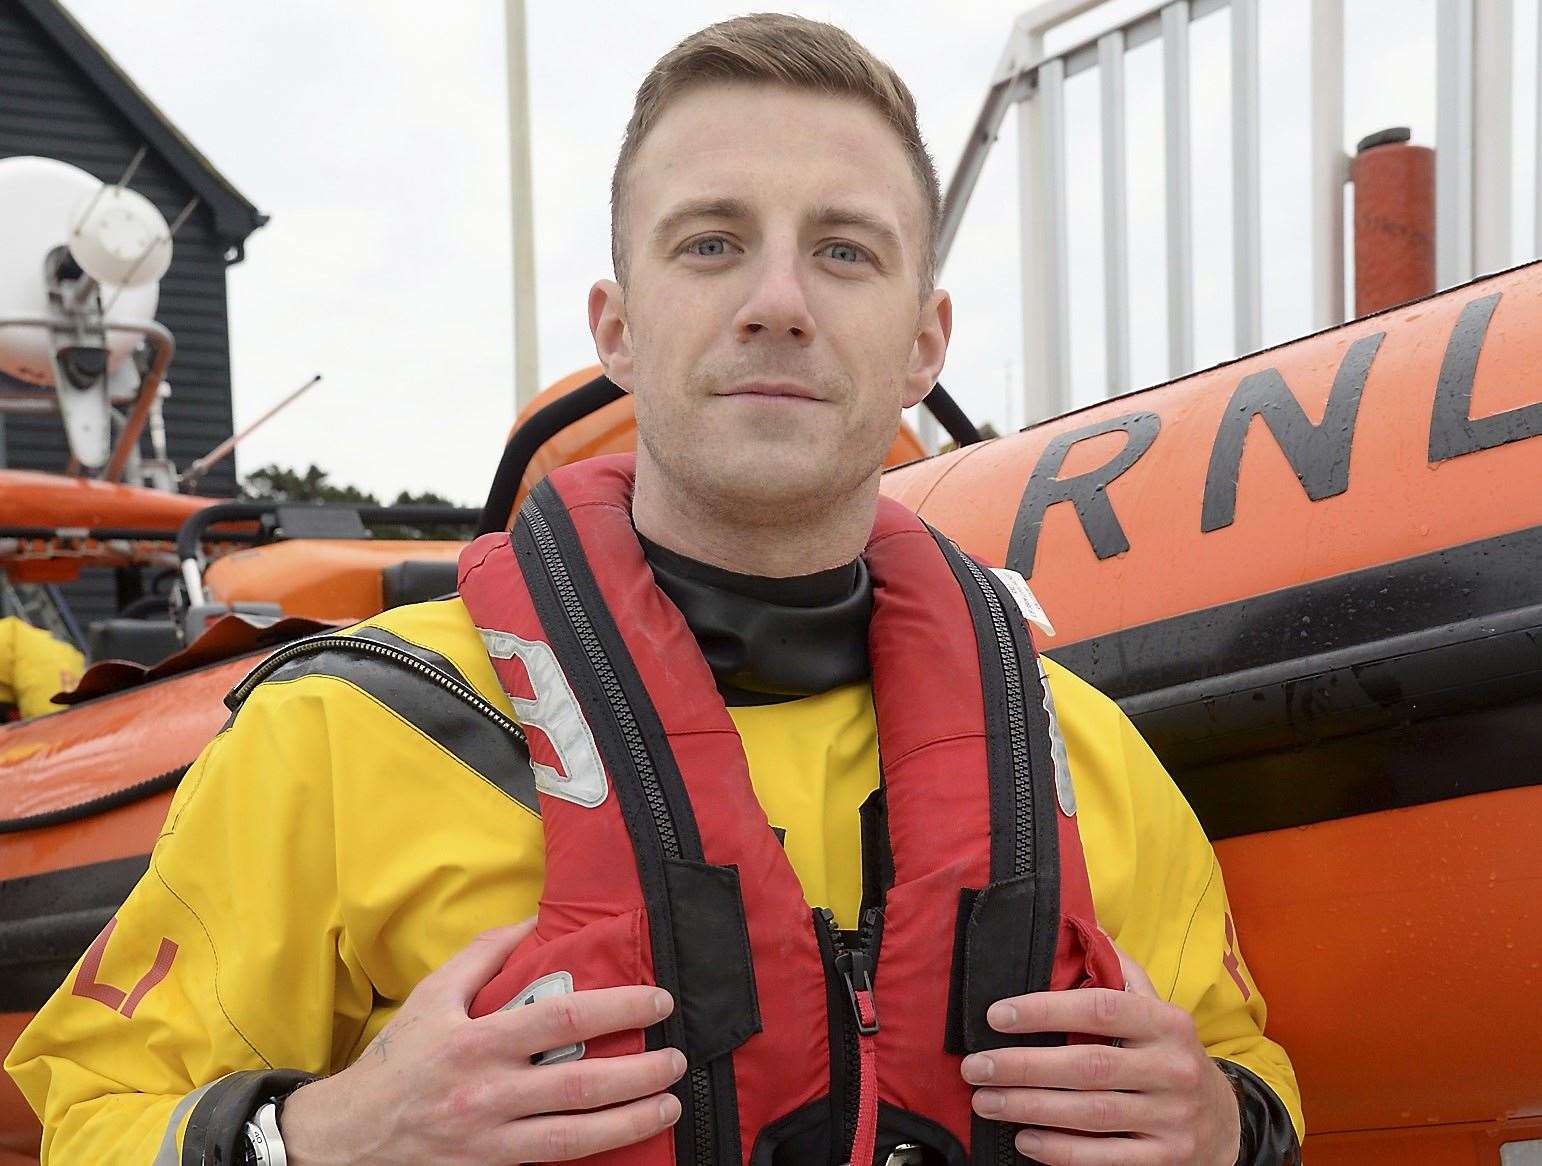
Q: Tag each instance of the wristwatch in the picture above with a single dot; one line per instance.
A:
(264, 1144)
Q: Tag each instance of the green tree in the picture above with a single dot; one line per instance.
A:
(430, 531)
(278, 484)
(274, 483)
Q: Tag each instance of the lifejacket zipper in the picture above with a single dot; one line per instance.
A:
(315, 644)
(704, 1135)
(856, 965)
(1017, 725)
(1003, 1149)
(578, 618)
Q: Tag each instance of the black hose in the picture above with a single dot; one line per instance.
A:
(192, 531)
(534, 432)
(951, 417)
(147, 607)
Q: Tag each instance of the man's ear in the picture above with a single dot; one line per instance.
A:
(608, 326)
(933, 329)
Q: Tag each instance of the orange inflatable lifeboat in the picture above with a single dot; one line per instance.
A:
(1310, 575)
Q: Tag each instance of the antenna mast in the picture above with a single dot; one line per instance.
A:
(526, 365)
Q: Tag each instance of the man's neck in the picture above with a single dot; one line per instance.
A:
(775, 545)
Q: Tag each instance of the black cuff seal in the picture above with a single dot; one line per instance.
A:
(1268, 1135)
(216, 1131)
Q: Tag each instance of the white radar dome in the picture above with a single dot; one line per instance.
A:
(120, 238)
(42, 202)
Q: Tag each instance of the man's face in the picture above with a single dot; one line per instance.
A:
(772, 326)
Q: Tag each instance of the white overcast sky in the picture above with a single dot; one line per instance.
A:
(374, 132)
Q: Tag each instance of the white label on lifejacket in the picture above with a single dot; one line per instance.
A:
(556, 713)
(1027, 603)
(552, 984)
(1065, 792)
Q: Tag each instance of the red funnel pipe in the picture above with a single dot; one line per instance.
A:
(1394, 221)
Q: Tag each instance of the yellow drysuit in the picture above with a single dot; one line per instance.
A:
(324, 854)
(34, 667)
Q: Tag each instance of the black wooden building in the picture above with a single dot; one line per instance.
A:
(62, 96)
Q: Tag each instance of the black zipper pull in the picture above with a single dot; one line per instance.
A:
(858, 976)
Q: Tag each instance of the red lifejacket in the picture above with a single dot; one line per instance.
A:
(804, 1044)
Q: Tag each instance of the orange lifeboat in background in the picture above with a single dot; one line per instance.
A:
(1309, 575)
(1313, 577)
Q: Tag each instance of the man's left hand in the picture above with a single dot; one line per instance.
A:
(1155, 1099)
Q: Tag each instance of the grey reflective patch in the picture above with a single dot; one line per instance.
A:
(558, 983)
(556, 713)
(500, 645)
(1065, 792)
(168, 1154)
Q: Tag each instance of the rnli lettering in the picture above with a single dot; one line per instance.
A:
(1087, 492)
(1453, 431)
(1230, 961)
(89, 987)
(1318, 453)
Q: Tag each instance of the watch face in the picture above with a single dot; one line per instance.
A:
(255, 1152)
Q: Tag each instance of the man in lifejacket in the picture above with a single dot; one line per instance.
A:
(34, 668)
(825, 864)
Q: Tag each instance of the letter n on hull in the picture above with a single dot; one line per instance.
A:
(1318, 453)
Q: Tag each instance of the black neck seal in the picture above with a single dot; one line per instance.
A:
(771, 639)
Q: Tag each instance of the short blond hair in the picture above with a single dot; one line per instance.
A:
(774, 48)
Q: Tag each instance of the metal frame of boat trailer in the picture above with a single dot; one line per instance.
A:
(240, 524)
(1473, 99)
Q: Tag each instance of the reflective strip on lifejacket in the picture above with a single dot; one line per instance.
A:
(580, 776)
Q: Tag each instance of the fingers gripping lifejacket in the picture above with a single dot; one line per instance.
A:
(799, 1037)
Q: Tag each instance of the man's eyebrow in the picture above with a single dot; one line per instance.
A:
(840, 216)
(700, 208)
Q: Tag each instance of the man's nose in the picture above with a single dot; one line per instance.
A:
(776, 305)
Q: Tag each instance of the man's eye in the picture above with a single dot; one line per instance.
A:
(846, 252)
(710, 247)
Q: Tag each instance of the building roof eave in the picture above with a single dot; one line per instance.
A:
(234, 216)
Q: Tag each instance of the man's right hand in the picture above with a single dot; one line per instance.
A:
(438, 1086)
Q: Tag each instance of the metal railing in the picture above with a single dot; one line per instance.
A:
(1473, 170)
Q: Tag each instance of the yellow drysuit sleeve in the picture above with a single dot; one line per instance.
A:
(1157, 886)
(289, 877)
(34, 666)
(302, 881)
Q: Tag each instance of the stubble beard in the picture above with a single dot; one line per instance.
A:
(750, 487)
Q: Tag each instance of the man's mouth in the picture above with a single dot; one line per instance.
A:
(772, 389)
